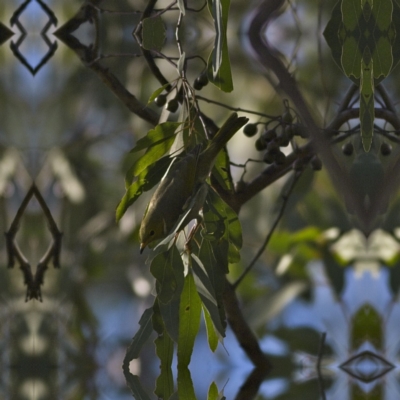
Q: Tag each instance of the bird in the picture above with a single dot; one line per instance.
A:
(183, 187)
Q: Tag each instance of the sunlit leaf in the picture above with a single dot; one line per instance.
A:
(366, 326)
(153, 154)
(190, 310)
(154, 136)
(144, 332)
(153, 33)
(212, 337)
(145, 181)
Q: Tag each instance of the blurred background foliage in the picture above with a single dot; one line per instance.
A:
(67, 131)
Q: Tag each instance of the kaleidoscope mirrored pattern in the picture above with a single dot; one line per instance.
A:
(200, 200)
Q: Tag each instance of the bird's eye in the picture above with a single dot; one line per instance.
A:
(152, 233)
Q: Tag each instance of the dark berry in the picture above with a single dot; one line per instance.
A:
(203, 79)
(386, 149)
(280, 158)
(260, 144)
(173, 105)
(273, 147)
(348, 149)
(269, 134)
(287, 118)
(197, 84)
(161, 100)
(250, 130)
(269, 158)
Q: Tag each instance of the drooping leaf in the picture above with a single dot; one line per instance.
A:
(219, 69)
(165, 351)
(145, 181)
(154, 136)
(156, 93)
(190, 310)
(201, 279)
(170, 315)
(212, 337)
(221, 171)
(185, 385)
(213, 261)
(153, 33)
(152, 155)
(144, 332)
(167, 268)
(136, 388)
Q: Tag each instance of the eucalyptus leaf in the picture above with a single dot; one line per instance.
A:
(212, 336)
(136, 388)
(146, 180)
(218, 67)
(144, 332)
(190, 311)
(164, 350)
(154, 136)
(185, 385)
(164, 268)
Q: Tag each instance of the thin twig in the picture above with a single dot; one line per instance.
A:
(238, 109)
(285, 198)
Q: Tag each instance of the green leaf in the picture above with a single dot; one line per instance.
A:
(136, 388)
(212, 392)
(185, 385)
(160, 133)
(146, 180)
(190, 310)
(167, 268)
(367, 325)
(153, 33)
(170, 316)
(156, 93)
(212, 337)
(202, 281)
(219, 68)
(144, 332)
(153, 154)
(221, 171)
(165, 351)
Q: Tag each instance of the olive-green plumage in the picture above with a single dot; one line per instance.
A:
(184, 183)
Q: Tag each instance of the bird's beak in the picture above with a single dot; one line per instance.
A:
(142, 247)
